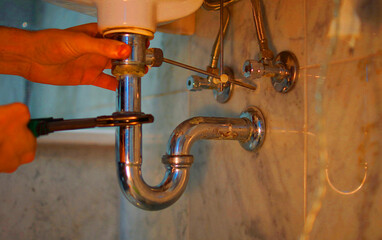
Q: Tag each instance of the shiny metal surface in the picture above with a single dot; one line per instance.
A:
(215, 54)
(191, 68)
(177, 160)
(197, 83)
(253, 69)
(129, 94)
(211, 74)
(221, 37)
(154, 57)
(256, 140)
(223, 91)
(223, 94)
(152, 198)
(266, 53)
(249, 130)
(214, 5)
(135, 64)
(283, 70)
(212, 128)
(288, 62)
(129, 140)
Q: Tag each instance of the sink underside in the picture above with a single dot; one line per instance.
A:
(134, 16)
(88, 9)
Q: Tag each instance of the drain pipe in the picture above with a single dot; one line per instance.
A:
(249, 130)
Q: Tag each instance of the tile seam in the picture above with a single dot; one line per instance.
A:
(305, 129)
(163, 94)
(341, 61)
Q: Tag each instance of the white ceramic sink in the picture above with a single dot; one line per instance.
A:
(141, 15)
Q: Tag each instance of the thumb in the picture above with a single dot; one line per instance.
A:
(106, 47)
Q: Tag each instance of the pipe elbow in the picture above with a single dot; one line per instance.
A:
(178, 159)
(184, 135)
(213, 128)
(146, 197)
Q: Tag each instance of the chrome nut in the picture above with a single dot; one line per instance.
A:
(154, 57)
(253, 69)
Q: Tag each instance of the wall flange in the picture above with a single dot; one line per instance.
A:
(258, 131)
(288, 61)
(224, 94)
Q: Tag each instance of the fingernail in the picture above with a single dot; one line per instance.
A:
(124, 50)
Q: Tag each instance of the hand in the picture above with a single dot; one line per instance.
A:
(62, 57)
(17, 143)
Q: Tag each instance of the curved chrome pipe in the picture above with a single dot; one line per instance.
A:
(153, 198)
(214, 5)
(129, 139)
(177, 160)
(213, 128)
(129, 158)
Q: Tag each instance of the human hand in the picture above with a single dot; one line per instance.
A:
(72, 56)
(17, 143)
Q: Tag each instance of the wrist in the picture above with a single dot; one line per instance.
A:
(14, 44)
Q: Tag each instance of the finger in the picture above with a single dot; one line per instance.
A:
(90, 29)
(106, 47)
(108, 65)
(9, 159)
(106, 81)
(20, 145)
(19, 118)
(15, 111)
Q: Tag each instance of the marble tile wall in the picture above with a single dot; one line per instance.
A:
(351, 108)
(234, 194)
(69, 192)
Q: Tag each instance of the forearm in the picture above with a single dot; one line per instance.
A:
(14, 51)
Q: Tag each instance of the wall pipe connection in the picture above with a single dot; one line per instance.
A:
(249, 130)
(283, 69)
(217, 44)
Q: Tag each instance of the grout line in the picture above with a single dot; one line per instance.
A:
(292, 131)
(306, 133)
(340, 61)
(163, 94)
(189, 58)
(305, 114)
